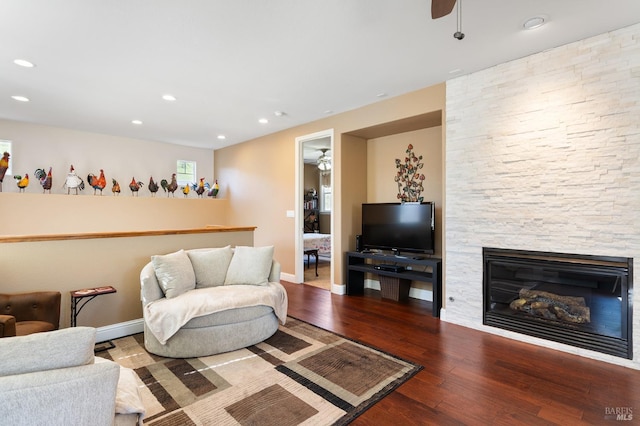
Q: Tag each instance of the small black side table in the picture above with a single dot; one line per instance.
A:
(79, 299)
(312, 252)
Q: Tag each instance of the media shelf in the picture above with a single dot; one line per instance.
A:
(361, 263)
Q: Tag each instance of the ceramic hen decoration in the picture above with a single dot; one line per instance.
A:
(153, 186)
(73, 181)
(170, 187)
(4, 166)
(214, 191)
(45, 179)
(115, 188)
(98, 183)
(23, 182)
(135, 186)
(201, 187)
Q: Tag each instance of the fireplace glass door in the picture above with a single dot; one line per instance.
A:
(578, 300)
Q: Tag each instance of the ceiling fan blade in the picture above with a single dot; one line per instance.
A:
(440, 8)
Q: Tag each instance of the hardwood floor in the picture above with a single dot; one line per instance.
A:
(470, 377)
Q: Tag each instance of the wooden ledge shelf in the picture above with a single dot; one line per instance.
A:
(96, 235)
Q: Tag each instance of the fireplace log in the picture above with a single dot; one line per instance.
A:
(552, 306)
(577, 314)
(567, 300)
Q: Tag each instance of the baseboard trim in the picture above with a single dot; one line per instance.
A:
(287, 277)
(339, 289)
(443, 315)
(419, 293)
(127, 328)
(121, 329)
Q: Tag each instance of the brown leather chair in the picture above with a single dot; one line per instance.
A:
(27, 313)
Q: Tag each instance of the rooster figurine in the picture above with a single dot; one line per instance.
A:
(200, 187)
(4, 166)
(73, 181)
(185, 190)
(45, 179)
(214, 191)
(153, 186)
(115, 188)
(97, 183)
(23, 182)
(135, 186)
(170, 188)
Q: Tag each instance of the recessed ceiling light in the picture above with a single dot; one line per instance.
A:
(137, 122)
(169, 98)
(381, 95)
(329, 111)
(263, 121)
(20, 98)
(222, 137)
(24, 63)
(279, 113)
(455, 71)
(534, 22)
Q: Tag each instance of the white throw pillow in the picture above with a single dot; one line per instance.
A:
(210, 266)
(250, 265)
(174, 272)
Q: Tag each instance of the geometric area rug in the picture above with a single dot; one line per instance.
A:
(301, 375)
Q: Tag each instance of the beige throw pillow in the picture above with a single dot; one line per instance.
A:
(250, 265)
(210, 266)
(174, 272)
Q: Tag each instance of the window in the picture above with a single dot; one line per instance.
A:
(186, 172)
(5, 146)
(325, 198)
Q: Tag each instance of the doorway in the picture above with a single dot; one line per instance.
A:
(314, 209)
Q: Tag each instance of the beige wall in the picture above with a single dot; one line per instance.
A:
(74, 264)
(311, 177)
(382, 154)
(259, 178)
(349, 205)
(257, 181)
(260, 174)
(34, 214)
(37, 146)
(381, 169)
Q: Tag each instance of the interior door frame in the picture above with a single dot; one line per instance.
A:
(299, 197)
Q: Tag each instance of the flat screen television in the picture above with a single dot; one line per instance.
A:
(399, 227)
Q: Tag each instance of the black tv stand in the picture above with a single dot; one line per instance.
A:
(361, 263)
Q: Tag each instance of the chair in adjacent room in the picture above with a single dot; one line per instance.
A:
(27, 313)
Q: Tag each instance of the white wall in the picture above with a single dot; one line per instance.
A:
(543, 153)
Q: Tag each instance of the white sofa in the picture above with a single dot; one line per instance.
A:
(53, 378)
(201, 302)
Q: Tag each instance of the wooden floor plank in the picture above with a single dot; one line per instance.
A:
(469, 377)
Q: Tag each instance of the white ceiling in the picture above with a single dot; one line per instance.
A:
(312, 150)
(101, 64)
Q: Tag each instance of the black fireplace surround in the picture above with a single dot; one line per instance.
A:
(579, 300)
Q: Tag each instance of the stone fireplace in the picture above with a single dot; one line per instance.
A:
(542, 154)
(579, 300)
